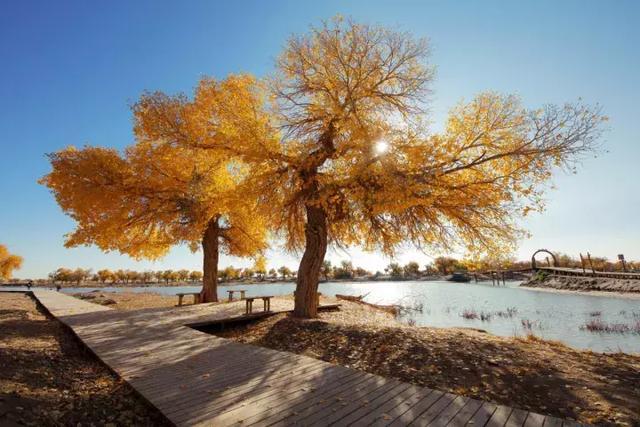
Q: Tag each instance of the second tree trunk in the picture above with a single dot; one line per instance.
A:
(210, 248)
(306, 302)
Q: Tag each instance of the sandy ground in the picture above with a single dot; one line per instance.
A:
(131, 300)
(545, 377)
(47, 379)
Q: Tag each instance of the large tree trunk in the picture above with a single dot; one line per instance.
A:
(210, 247)
(306, 302)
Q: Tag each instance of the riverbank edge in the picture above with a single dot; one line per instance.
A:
(585, 285)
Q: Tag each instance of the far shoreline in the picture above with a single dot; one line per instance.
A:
(230, 283)
(595, 293)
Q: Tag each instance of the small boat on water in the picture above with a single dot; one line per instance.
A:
(459, 277)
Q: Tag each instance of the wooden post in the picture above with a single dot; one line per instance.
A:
(593, 270)
(624, 264)
(548, 262)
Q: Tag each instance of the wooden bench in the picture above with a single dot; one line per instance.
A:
(196, 297)
(266, 301)
(242, 291)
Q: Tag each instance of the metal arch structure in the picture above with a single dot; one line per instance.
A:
(533, 258)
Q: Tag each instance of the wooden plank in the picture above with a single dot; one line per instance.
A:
(414, 411)
(249, 394)
(355, 412)
(482, 415)
(336, 407)
(517, 418)
(186, 369)
(500, 416)
(212, 387)
(306, 412)
(264, 397)
(358, 405)
(390, 409)
(201, 380)
(534, 420)
(403, 407)
(273, 399)
(430, 414)
(450, 411)
(296, 410)
(466, 413)
(571, 423)
(550, 421)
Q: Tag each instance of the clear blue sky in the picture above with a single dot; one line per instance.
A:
(69, 70)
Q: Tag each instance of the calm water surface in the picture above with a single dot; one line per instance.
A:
(555, 316)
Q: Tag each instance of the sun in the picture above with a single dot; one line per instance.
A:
(381, 146)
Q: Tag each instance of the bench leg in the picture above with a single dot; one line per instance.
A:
(196, 299)
(180, 300)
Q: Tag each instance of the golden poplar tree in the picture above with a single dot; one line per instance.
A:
(357, 165)
(8, 262)
(163, 190)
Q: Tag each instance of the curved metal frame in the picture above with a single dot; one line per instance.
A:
(533, 258)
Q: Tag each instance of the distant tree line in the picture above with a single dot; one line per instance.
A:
(105, 276)
(440, 266)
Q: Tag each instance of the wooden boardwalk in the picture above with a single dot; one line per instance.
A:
(195, 378)
(589, 273)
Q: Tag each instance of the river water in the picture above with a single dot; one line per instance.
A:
(550, 315)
